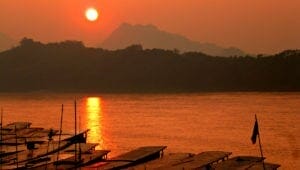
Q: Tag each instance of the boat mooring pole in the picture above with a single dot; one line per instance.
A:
(60, 131)
(16, 146)
(75, 105)
(260, 147)
(79, 155)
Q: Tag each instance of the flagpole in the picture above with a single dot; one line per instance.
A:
(260, 147)
(75, 109)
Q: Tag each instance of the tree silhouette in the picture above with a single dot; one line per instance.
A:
(70, 66)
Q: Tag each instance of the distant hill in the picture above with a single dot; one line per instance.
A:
(5, 42)
(70, 66)
(151, 37)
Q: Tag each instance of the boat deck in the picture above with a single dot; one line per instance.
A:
(244, 162)
(166, 159)
(71, 163)
(139, 155)
(188, 161)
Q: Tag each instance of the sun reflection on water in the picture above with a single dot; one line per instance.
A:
(94, 120)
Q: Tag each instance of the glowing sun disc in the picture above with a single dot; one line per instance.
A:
(91, 14)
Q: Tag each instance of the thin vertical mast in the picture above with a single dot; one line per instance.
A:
(60, 131)
(260, 147)
(16, 146)
(75, 105)
(79, 152)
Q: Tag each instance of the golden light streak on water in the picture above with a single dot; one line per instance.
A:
(94, 120)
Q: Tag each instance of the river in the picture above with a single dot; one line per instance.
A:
(184, 122)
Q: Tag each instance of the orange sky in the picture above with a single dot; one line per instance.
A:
(256, 26)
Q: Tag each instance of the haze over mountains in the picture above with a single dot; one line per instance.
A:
(149, 36)
(5, 42)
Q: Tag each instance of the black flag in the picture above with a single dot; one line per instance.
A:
(255, 132)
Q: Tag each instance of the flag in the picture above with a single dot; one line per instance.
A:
(255, 132)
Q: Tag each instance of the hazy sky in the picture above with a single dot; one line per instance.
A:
(256, 26)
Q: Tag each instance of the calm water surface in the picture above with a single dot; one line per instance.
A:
(183, 122)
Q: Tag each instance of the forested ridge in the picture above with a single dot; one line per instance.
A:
(69, 66)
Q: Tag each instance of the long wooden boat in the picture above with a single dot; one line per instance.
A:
(131, 158)
(45, 149)
(166, 159)
(82, 160)
(86, 155)
(245, 162)
(25, 135)
(186, 161)
(67, 160)
(16, 126)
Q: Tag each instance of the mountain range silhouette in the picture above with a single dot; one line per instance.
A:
(149, 36)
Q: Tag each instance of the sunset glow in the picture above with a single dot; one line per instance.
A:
(91, 14)
(255, 26)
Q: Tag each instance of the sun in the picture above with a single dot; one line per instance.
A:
(91, 14)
